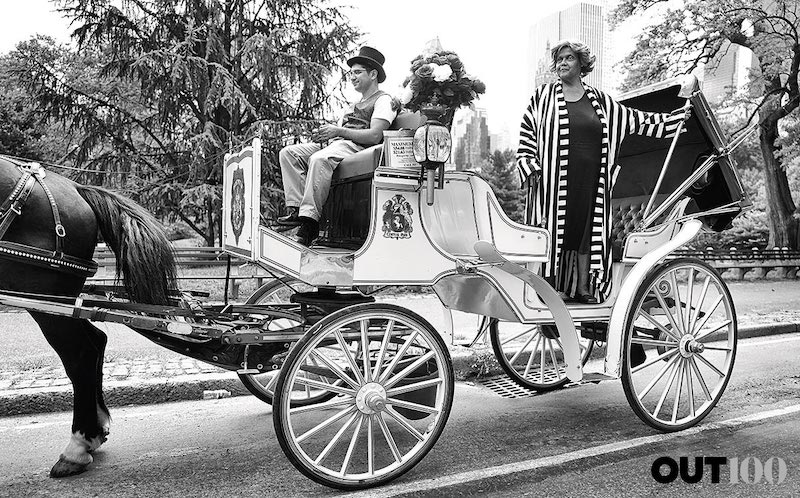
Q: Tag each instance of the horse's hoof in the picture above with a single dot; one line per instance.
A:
(65, 468)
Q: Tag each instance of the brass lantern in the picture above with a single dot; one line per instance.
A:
(432, 146)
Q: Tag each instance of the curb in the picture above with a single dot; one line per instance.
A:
(467, 364)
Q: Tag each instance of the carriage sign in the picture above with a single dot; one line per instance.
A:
(241, 199)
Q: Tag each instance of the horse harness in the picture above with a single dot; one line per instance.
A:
(33, 174)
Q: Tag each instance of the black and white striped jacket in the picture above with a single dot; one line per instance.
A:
(544, 148)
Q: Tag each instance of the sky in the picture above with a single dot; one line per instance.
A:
(490, 36)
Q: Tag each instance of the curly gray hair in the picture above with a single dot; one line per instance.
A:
(581, 50)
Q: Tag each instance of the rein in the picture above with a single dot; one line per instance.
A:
(33, 174)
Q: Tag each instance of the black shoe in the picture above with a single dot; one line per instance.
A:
(637, 354)
(291, 218)
(586, 299)
(308, 231)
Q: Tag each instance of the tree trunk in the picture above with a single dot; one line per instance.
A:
(783, 226)
(210, 221)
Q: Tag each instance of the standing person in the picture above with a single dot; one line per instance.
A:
(307, 168)
(570, 136)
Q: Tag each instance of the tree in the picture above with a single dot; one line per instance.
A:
(500, 172)
(696, 33)
(159, 89)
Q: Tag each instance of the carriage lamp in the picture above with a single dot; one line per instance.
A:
(432, 145)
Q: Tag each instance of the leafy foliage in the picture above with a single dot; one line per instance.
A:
(158, 90)
(501, 174)
(698, 32)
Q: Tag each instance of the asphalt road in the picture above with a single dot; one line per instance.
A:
(26, 348)
(577, 441)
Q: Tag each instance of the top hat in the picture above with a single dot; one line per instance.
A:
(371, 58)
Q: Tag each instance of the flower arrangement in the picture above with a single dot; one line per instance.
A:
(440, 80)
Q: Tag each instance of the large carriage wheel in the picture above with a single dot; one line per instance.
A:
(395, 396)
(262, 385)
(679, 344)
(532, 355)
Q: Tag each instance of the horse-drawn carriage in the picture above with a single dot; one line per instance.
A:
(362, 390)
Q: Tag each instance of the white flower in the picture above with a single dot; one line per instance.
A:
(406, 94)
(441, 72)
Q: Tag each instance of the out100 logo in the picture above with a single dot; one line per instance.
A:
(749, 470)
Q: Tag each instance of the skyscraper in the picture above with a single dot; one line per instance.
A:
(470, 138)
(727, 72)
(584, 21)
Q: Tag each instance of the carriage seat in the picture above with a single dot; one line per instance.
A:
(626, 214)
(467, 211)
(364, 163)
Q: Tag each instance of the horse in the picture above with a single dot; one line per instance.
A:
(145, 263)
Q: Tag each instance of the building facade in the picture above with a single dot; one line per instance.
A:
(584, 21)
(470, 139)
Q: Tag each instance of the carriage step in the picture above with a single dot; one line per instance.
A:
(248, 371)
(595, 331)
(595, 377)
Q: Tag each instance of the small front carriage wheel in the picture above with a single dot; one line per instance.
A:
(679, 344)
(262, 385)
(395, 392)
(532, 355)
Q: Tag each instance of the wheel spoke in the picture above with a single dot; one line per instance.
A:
(702, 322)
(678, 392)
(653, 342)
(532, 329)
(404, 424)
(334, 367)
(711, 331)
(371, 445)
(406, 371)
(677, 297)
(700, 301)
(365, 351)
(336, 403)
(667, 388)
(658, 325)
(662, 356)
(689, 387)
(305, 381)
(336, 438)
(387, 435)
(349, 454)
(541, 359)
(348, 354)
(699, 376)
(531, 357)
(709, 365)
(555, 363)
(658, 376)
(413, 387)
(522, 349)
(387, 334)
(402, 351)
(326, 423)
(689, 290)
(412, 406)
(667, 312)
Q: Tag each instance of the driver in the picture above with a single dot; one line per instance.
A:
(307, 168)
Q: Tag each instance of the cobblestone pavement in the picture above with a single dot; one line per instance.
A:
(115, 371)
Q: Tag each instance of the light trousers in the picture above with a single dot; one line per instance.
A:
(307, 170)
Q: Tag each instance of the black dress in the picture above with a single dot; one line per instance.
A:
(583, 174)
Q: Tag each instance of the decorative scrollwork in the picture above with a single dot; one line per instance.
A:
(664, 287)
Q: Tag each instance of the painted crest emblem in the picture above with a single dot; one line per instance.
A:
(397, 220)
(237, 203)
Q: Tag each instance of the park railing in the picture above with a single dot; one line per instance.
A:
(735, 264)
(189, 258)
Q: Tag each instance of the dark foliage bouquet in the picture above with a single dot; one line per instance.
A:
(440, 80)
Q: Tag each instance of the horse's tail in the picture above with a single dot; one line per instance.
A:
(145, 258)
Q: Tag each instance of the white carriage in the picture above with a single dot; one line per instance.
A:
(366, 388)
